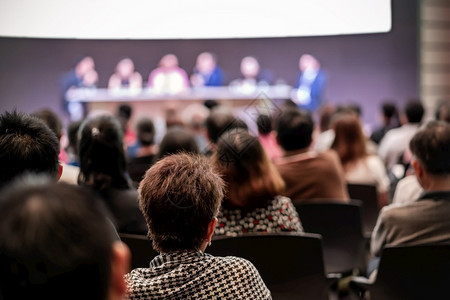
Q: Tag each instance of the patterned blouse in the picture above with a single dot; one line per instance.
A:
(196, 275)
(279, 215)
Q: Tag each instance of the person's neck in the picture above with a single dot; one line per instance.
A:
(295, 152)
(438, 183)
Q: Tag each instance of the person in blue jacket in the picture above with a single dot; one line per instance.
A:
(310, 83)
(206, 71)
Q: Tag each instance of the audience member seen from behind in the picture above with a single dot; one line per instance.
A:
(424, 221)
(390, 120)
(103, 168)
(177, 140)
(168, 77)
(124, 114)
(206, 71)
(144, 151)
(27, 145)
(57, 243)
(180, 197)
(267, 137)
(395, 142)
(309, 176)
(217, 123)
(359, 166)
(125, 76)
(69, 173)
(252, 202)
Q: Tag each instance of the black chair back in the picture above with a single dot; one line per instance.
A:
(141, 249)
(341, 229)
(369, 196)
(414, 272)
(291, 264)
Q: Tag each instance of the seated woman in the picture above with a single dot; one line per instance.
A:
(359, 167)
(252, 202)
(125, 76)
(180, 197)
(103, 168)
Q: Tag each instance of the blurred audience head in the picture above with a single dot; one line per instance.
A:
(431, 147)
(390, 114)
(57, 243)
(443, 111)
(325, 114)
(145, 130)
(51, 119)
(27, 145)
(177, 140)
(414, 111)
(220, 121)
(294, 129)
(101, 153)
(252, 180)
(180, 197)
(264, 123)
(349, 141)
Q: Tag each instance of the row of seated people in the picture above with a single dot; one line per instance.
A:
(231, 156)
(170, 78)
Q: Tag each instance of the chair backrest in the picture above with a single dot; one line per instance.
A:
(414, 272)
(369, 196)
(340, 226)
(141, 249)
(291, 264)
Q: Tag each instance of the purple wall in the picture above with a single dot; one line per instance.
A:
(361, 68)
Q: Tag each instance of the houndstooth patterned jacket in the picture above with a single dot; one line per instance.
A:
(196, 275)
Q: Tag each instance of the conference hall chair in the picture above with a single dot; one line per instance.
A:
(141, 249)
(408, 272)
(291, 264)
(339, 224)
(369, 196)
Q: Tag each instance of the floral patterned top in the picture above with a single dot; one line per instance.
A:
(280, 215)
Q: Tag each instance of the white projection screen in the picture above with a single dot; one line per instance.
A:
(193, 19)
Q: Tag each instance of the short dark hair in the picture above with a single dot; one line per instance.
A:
(101, 153)
(55, 242)
(264, 123)
(389, 110)
(177, 140)
(179, 196)
(431, 146)
(145, 131)
(51, 119)
(294, 129)
(414, 111)
(26, 145)
(218, 122)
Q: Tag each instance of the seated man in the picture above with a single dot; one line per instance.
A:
(395, 141)
(27, 145)
(426, 220)
(180, 197)
(308, 174)
(57, 243)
